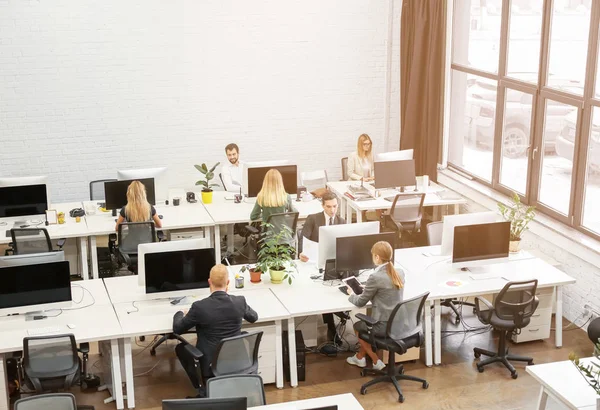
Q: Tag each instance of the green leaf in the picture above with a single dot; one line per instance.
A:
(214, 167)
(203, 183)
(204, 168)
(210, 175)
(199, 168)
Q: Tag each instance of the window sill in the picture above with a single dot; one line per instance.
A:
(561, 235)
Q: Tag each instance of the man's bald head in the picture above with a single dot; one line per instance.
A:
(219, 277)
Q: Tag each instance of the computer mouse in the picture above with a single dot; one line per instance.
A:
(160, 216)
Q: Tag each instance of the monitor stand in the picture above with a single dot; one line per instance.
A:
(476, 269)
(180, 301)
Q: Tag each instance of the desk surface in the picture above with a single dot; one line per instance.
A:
(563, 381)
(344, 402)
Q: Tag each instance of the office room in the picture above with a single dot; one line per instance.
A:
(299, 205)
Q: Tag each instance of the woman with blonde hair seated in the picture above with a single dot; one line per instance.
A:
(360, 163)
(272, 198)
(138, 209)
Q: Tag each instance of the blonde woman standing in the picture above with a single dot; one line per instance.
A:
(138, 209)
(360, 162)
(272, 198)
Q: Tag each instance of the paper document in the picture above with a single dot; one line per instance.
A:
(310, 249)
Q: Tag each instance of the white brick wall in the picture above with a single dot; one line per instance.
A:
(88, 87)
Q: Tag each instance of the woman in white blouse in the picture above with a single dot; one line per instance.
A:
(360, 162)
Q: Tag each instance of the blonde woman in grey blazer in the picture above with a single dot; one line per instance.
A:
(384, 289)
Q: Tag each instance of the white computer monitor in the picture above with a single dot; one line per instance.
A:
(179, 266)
(329, 234)
(261, 164)
(451, 221)
(31, 259)
(161, 187)
(480, 244)
(6, 182)
(394, 155)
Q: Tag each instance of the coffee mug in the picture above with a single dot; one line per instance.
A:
(176, 201)
(237, 198)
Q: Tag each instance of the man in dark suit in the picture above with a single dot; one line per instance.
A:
(215, 318)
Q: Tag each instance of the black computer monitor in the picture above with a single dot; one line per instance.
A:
(178, 270)
(23, 200)
(481, 243)
(115, 192)
(334, 407)
(231, 403)
(25, 285)
(289, 173)
(354, 252)
(393, 174)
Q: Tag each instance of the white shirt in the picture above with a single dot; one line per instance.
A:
(366, 166)
(327, 218)
(232, 176)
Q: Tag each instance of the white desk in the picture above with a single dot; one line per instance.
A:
(343, 401)
(562, 382)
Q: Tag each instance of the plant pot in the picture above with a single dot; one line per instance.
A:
(513, 246)
(207, 197)
(276, 275)
(255, 275)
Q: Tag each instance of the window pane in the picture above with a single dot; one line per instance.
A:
(524, 39)
(591, 204)
(557, 160)
(472, 114)
(569, 44)
(476, 33)
(516, 138)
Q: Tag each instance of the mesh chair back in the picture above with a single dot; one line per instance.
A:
(314, 179)
(405, 320)
(237, 355)
(97, 189)
(50, 357)
(222, 181)
(55, 401)
(434, 233)
(345, 168)
(249, 385)
(132, 234)
(30, 240)
(408, 208)
(517, 301)
(289, 219)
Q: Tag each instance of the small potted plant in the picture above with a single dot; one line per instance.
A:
(276, 255)
(254, 273)
(207, 192)
(519, 216)
(590, 371)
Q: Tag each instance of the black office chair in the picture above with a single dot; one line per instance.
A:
(345, 169)
(277, 222)
(250, 386)
(129, 236)
(31, 240)
(97, 189)
(511, 312)
(404, 217)
(53, 401)
(404, 330)
(222, 181)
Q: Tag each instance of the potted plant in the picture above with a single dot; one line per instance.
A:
(519, 216)
(254, 273)
(207, 192)
(590, 372)
(276, 255)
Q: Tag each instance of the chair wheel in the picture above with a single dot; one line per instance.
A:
(363, 372)
(514, 375)
(363, 390)
(152, 352)
(142, 338)
(84, 385)
(401, 399)
(477, 355)
(480, 369)
(457, 320)
(425, 385)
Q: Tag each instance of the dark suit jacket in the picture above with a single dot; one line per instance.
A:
(314, 222)
(215, 318)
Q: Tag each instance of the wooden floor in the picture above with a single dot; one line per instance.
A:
(454, 385)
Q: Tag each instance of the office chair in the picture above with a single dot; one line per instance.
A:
(240, 385)
(129, 236)
(54, 401)
(222, 181)
(345, 169)
(405, 215)
(278, 221)
(404, 330)
(511, 312)
(314, 179)
(97, 189)
(31, 240)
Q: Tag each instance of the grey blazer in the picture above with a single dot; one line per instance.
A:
(381, 292)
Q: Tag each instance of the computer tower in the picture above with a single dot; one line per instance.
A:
(300, 356)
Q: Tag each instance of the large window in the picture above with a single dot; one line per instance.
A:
(525, 102)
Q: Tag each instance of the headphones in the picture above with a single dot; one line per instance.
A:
(75, 212)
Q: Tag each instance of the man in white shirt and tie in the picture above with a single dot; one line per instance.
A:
(232, 171)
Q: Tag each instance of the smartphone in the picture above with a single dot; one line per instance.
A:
(354, 284)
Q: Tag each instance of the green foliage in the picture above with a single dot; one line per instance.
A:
(208, 175)
(275, 252)
(519, 216)
(590, 371)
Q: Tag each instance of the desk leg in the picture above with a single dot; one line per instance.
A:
(84, 258)
(116, 373)
(348, 213)
(129, 373)
(428, 344)
(437, 333)
(292, 352)
(359, 216)
(436, 213)
(456, 209)
(230, 247)
(278, 355)
(342, 207)
(543, 399)
(94, 257)
(5, 400)
(558, 317)
(217, 237)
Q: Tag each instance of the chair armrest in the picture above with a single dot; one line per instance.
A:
(367, 319)
(483, 314)
(193, 351)
(161, 236)
(84, 348)
(61, 242)
(112, 237)
(252, 229)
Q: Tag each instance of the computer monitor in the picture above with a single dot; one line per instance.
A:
(451, 221)
(18, 181)
(161, 186)
(31, 259)
(23, 200)
(354, 252)
(481, 244)
(230, 403)
(253, 174)
(115, 192)
(26, 288)
(173, 268)
(393, 174)
(329, 234)
(394, 155)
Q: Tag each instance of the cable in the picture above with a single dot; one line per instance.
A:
(567, 328)
(148, 371)
(82, 307)
(137, 309)
(145, 347)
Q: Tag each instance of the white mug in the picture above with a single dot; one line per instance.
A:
(424, 183)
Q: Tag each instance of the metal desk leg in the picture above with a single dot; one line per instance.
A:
(342, 207)
(456, 209)
(348, 212)
(217, 238)
(129, 372)
(292, 352)
(84, 258)
(558, 317)
(116, 373)
(359, 216)
(428, 344)
(437, 333)
(230, 247)
(4, 400)
(278, 355)
(94, 257)
(543, 399)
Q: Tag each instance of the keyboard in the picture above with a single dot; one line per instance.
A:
(40, 331)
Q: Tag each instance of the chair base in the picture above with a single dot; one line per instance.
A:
(452, 303)
(393, 375)
(501, 356)
(160, 341)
